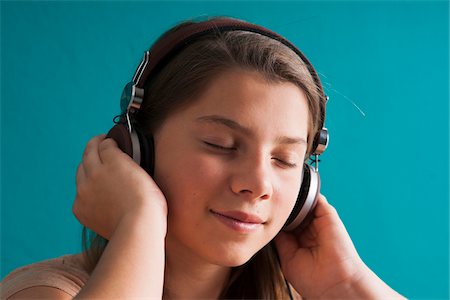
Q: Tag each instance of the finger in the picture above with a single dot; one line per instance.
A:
(80, 175)
(326, 216)
(323, 198)
(323, 207)
(92, 142)
(289, 251)
(308, 237)
(91, 159)
(109, 151)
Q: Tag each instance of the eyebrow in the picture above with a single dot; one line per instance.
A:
(216, 119)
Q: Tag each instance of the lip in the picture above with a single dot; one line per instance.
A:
(239, 221)
(240, 216)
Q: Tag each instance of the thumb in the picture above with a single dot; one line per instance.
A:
(292, 256)
(286, 245)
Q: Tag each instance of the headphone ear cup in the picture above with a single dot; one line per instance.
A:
(303, 211)
(126, 141)
(121, 135)
(147, 151)
(136, 145)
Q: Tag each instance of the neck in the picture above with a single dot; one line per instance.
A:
(187, 276)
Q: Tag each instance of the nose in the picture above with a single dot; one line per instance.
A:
(252, 180)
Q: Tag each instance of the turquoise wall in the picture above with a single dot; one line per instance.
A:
(64, 64)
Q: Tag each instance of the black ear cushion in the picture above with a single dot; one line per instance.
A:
(301, 198)
(301, 215)
(147, 151)
(120, 134)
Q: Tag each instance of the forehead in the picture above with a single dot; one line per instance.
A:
(248, 98)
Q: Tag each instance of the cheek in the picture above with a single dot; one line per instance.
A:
(185, 177)
(285, 199)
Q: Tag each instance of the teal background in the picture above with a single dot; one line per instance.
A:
(64, 64)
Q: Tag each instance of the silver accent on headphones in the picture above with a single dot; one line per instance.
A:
(316, 162)
(132, 95)
(136, 149)
(323, 141)
(128, 123)
(137, 96)
(142, 66)
(307, 206)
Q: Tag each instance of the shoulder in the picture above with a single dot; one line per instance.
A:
(56, 278)
(41, 292)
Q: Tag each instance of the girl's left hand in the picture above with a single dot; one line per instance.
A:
(322, 262)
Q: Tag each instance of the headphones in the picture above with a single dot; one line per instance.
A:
(141, 148)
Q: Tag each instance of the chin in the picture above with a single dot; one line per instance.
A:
(235, 253)
(234, 261)
(234, 257)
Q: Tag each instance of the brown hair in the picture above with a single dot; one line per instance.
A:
(178, 84)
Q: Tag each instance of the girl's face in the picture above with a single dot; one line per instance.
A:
(230, 166)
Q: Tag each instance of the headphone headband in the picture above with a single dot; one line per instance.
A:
(171, 44)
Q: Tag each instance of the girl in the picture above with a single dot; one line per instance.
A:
(219, 121)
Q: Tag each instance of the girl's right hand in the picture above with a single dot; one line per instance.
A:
(321, 262)
(110, 186)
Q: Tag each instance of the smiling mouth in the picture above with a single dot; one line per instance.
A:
(239, 221)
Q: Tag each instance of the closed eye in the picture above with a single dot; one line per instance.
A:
(219, 147)
(285, 163)
(229, 149)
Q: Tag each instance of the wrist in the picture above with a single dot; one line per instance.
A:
(365, 284)
(132, 264)
(150, 217)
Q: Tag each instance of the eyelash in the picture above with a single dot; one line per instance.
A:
(285, 163)
(220, 147)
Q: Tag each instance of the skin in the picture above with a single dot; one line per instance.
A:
(165, 239)
(198, 178)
